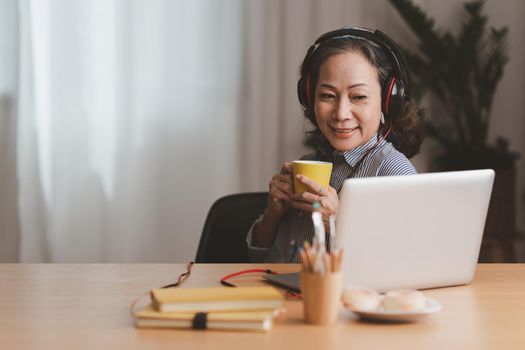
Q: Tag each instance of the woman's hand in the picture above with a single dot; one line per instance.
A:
(280, 192)
(326, 196)
(279, 197)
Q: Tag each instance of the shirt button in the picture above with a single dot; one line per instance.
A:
(292, 242)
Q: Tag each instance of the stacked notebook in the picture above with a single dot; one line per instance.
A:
(241, 308)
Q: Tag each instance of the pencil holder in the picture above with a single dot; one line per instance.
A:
(321, 295)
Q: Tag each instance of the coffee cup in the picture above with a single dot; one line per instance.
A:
(317, 171)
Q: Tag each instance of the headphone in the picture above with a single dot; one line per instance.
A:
(395, 90)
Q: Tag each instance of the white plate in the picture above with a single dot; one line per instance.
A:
(381, 314)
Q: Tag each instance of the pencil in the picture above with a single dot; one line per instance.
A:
(340, 254)
(306, 245)
(313, 260)
(327, 262)
(305, 261)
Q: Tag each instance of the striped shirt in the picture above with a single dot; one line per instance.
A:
(377, 157)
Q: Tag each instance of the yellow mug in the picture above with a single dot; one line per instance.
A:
(317, 171)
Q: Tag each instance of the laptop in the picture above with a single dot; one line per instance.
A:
(416, 231)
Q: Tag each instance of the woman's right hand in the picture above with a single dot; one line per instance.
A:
(279, 197)
(280, 192)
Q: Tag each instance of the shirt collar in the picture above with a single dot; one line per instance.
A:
(354, 155)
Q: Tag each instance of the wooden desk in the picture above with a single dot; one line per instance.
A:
(78, 306)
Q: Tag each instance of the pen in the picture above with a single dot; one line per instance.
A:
(319, 240)
(331, 221)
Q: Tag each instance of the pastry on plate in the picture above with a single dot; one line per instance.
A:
(404, 300)
(364, 299)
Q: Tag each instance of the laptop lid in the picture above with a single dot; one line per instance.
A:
(415, 231)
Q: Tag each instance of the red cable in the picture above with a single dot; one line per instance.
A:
(225, 278)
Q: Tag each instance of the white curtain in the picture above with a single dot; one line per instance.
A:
(127, 126)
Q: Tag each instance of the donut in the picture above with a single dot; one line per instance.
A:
(404, 299)
(363, 299)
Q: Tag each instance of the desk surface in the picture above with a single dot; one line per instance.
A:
(85, 306)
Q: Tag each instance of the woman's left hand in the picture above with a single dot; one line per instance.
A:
(326, 196)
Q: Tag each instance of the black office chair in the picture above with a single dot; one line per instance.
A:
(223, 238)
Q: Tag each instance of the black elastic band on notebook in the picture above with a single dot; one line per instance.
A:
(200, 320)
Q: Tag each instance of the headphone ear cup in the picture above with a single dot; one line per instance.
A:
(393, 97)
(301, 92)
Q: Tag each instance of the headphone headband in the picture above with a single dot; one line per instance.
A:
(399, 83)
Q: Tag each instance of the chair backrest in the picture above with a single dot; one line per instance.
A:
(223, 238)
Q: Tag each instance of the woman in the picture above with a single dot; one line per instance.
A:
(355, 90)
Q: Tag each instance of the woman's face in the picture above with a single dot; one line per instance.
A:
(347, 100)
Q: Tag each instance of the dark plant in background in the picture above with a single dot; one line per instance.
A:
(462, 71)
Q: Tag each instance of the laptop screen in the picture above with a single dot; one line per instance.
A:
(414, 231)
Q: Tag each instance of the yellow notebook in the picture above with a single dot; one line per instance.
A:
(259, 321)
(216, 299)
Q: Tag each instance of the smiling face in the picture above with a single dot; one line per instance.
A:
(347, 100)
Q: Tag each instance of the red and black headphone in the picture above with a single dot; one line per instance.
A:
(395, 90)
